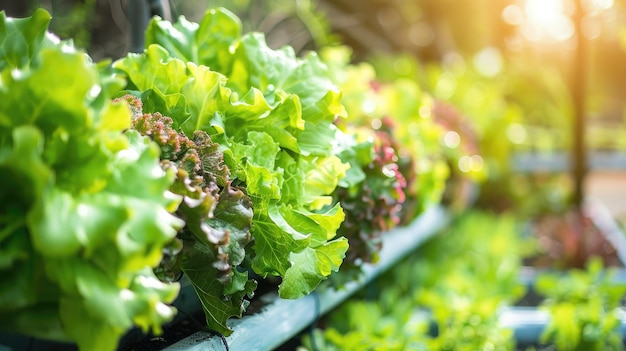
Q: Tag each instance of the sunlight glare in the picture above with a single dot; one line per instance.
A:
(603, 4)
(452, 139)
(547, 19)
(513, 15)
(488, 62)
(544, 11)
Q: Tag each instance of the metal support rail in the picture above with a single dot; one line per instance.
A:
(280, 320)
(530, 162)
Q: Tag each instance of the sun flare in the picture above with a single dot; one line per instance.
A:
(547, 19)
(544, 11)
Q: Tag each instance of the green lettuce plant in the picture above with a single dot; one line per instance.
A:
(218, 216)
(401, 109)
(272, 115)
(85, 207)
(371, 194)
(393, 182)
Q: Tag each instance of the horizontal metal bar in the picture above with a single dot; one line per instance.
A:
(560, 161)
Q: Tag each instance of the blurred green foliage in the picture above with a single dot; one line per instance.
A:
(74, 19)
(299, 24)
(584, 307)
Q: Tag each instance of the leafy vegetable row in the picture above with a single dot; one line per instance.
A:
(209, 154)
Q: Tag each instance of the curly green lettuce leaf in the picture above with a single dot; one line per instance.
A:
(192, 42)
(321, 258)
(256, 64)
(194, 101)
(199, 97)
(217, 42)
(311, 266)
(112, 310)
(25, 173)
(21, 38)
(158, 81)
(94, 250)
(28, 100)
(321, 178)
(122, 213)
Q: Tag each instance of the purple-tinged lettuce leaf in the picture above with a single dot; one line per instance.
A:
(217, 218)
(213, 169)
(372, 203)
(222, 298)
(372, 102)
(233, 214)
(421, 139)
